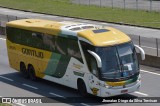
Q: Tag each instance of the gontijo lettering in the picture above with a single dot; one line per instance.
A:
(32, 53)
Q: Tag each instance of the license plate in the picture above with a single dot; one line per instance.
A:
(124, 91)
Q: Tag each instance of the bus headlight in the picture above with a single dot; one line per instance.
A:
(107, 86)
(103, 84)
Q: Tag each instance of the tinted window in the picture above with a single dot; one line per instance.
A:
(14, 34)
(49, 42)
(91, 61)
(32, 39)
(61, 45)
(37, 40)
(68, 47)
(26, 37)
(73, 49)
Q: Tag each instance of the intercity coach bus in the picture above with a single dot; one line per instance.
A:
(95, 60)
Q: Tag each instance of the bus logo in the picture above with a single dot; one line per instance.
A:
(32, 53)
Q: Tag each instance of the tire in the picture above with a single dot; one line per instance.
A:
(82, 88)
(31, 72)
(23, 70)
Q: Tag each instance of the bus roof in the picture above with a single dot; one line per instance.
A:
(91, 33)
(105, 37)
(39, 25)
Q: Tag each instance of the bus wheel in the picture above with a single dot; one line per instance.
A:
(31, 72)
(82, 88)
(23, 70)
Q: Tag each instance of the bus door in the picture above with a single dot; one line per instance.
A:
(93, 80)
(91, 63)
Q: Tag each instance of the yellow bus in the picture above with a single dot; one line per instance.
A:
(92, 59)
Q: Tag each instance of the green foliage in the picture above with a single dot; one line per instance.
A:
(65, 8)
(2, 104)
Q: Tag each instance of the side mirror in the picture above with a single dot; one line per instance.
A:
(141, 51)
(98, 59)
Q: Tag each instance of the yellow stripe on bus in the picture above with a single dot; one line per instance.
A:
(121, 83)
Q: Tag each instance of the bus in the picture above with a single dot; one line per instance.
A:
(96, 60)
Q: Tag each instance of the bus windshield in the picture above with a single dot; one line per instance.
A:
(118, 61)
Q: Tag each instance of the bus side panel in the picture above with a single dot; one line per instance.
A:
(19, 53)
(72, 72)
(66, 69)
(12, 55)
(39, 60)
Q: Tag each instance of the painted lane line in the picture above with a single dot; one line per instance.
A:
(30, 86)
(6, 78)
(140, 93)
(56, 95)
(84, 104)
(150, 72)
(20, 104)
(2, 39)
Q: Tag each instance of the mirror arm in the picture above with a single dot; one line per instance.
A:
(98, 59)
(142, 52)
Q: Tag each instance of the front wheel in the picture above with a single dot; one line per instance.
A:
(82, 88)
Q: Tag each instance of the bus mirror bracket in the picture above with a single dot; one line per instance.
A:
(141, 51)
(98, 59)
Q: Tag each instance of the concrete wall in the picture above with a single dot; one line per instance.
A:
(152, 61)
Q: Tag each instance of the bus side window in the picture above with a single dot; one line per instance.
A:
(73, 49)
(37, 40)
(14, 34)
(93, 66)
(61, 45)
(49, 42)
(91, 61)
(26, 37)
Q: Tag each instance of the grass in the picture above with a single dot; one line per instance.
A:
(2, 104)
(65, 8)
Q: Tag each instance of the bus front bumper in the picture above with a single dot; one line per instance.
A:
(119, 91)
